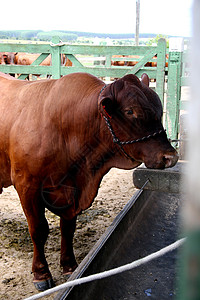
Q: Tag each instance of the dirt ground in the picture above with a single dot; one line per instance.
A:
(15, 243)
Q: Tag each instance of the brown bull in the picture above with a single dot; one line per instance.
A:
(58, 138)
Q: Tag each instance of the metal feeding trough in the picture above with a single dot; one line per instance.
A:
(149, 222)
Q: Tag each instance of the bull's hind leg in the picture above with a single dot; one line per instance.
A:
(67, 260)
(38, 227)
(39, 233)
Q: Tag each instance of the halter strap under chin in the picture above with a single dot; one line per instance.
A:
(120, 143)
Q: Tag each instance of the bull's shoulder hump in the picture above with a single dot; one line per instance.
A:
(81, 77)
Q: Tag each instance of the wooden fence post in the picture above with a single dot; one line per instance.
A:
(174, 86)
(56, 58)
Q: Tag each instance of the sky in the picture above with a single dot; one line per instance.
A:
(169, 17)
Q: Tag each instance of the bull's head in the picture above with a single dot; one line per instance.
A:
(133, 112)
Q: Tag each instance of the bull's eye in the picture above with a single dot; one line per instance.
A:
(130, 112)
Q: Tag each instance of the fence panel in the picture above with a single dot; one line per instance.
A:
(178, 77)
(126, 54)
(141, 55)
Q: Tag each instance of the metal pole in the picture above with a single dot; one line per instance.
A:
(137, 22)
(189, 274)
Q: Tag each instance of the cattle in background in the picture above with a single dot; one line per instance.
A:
(65, 61)
(58, 138)
(136, 58)
(26, 59)
(118, 62)
(125, 62)
(22, 58)
(134, 62)
(7, 58)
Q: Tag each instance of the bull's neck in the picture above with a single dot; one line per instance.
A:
(83, 127)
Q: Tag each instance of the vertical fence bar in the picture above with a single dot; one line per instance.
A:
(189, 274)
(174, 86)
(56, 57)
(160, 74)
(108, 64)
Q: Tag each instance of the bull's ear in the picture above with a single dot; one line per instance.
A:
(145, 79)
(106, 106)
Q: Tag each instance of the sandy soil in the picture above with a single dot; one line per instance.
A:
(15, 243)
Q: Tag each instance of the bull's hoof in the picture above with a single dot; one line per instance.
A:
(44, 285)
(69, 270)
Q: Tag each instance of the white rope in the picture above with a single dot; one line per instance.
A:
(57, 44)
(112, 272)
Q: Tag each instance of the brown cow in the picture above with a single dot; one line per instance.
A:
(7, 58)
(22, 58)
(134, 62)
(58, 138)
(118, 62)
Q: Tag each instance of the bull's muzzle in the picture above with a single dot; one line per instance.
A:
(162, 160)
(170, 160)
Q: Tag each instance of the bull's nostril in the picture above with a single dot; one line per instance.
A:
(166, 161)
(169, 160)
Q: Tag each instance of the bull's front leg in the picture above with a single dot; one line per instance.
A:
(67, 260)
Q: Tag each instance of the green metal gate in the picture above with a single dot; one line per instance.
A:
(76, 52)
(178, 77)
